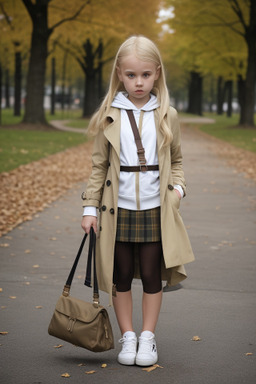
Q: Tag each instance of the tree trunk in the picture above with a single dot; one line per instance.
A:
(34, 106)
(7, 89)
(17, 85)
(195, 93)
(90, 89)
(220, 95)
(247, 107)
(229, 85)
(63, 82)
(0, 94)
(53, 82)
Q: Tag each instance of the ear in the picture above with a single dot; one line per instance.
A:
(158, 71)
(119, 74)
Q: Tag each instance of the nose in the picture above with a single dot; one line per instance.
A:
(139, 81)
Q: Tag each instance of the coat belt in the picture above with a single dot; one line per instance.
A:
(139, 168)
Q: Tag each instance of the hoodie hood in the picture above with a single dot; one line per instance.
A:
(121, 101)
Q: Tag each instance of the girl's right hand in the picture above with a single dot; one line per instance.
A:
(88, 222)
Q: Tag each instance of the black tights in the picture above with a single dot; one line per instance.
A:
(150, 256)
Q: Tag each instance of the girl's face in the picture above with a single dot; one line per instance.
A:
(138, 78)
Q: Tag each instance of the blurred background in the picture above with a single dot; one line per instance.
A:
(56, 55)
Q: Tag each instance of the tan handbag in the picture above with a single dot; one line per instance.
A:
(83, 324)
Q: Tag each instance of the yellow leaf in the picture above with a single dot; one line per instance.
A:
(53, 238)
(196, 338)
(58, 346)
(12, 297)
(5, 245)
(152, 368)
(4, 333)
(90, 372)
(249, 354)
(27, 251)
(36, 266)
(65, 375)
(81, 365)
(38, 306)
(27, 283)
(104, 365)
(1, 289)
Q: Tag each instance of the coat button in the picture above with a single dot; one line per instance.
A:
(83, 196)
(103, 208)
(112, 210)
(100, 228)
(108, 182)
(170, 187)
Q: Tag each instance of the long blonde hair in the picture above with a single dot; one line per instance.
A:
(145, 50)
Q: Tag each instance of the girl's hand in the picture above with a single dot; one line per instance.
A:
(88, 222)
(178, 193)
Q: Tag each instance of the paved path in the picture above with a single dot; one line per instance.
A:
(217, 302)
(61, 124)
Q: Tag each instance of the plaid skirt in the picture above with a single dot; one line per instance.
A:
(138, 226)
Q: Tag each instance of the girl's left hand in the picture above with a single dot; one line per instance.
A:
(178, 193)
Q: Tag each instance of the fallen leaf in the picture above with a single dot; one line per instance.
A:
(36, 266)
(4, 333)
(27, 251)
(53, 238)
(12, 297)
(104, 365)
(90, 372)
(27, 283)
(65, 375)
(196, 338)
(58, 346)
(5, 245)
(81, 365)
(249, 354)
(38, 307)
(1, 289)
(152, 368)
(3, 307)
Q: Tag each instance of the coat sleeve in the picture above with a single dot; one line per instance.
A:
(176, 155)
(100, 162)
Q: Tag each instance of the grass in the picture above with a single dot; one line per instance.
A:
(8, 118)
(227, 129)
(22, 147)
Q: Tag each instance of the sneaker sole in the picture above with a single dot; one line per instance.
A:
(146, 363)
(126, 361)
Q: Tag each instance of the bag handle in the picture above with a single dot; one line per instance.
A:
(91, 253)
(140, 149)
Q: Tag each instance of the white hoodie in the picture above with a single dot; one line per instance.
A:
(137, 190)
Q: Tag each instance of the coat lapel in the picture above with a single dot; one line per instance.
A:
(112, 134)
(164, 160)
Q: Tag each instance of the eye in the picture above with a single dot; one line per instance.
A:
(130, 75)
(146, 75)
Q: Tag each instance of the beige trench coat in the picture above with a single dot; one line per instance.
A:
(102, 192)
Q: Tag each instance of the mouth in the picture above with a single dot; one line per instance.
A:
(139, 91)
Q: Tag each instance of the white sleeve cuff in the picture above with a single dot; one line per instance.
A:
(179, 188)
(90, 211)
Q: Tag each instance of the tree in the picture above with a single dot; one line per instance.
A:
(38, 11)
(223, 33)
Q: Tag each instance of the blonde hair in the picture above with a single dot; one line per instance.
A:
(145, 50)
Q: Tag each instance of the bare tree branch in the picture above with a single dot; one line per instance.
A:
(77, 13)
(236, 8)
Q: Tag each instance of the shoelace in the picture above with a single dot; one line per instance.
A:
(127, 343)
(145, 344)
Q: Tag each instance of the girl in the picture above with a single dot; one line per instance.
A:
(137, 193)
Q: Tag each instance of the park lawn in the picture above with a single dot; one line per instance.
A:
(19, 147)
(227, 129)
(9, 119)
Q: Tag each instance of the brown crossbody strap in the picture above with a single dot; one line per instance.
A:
(140, 149)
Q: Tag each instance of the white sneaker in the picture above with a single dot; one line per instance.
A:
(147, 353)
(127, 355)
